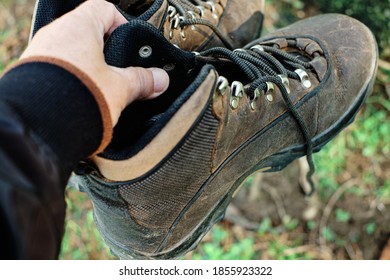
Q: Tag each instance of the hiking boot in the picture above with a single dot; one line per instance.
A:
(188, 24)
(175, 162)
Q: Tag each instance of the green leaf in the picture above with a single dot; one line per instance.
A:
(370, 228)
(265, 226)
(342, 215)
(328, 234)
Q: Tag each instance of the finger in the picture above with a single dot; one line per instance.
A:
(143, 83)
(106, 16)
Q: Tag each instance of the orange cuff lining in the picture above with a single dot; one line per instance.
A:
(89, 83)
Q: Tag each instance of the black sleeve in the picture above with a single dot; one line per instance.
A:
(49, 120)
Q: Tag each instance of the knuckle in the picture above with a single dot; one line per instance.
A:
(143, 82)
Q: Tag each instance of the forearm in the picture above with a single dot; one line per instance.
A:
(56, 111)
(50, 120)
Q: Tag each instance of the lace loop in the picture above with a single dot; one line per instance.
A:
(265, 67)
(187, 11)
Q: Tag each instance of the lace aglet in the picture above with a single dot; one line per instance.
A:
(312, 185)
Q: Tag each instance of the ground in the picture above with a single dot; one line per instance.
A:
(348, 217)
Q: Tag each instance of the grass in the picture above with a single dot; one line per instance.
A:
(82, 240)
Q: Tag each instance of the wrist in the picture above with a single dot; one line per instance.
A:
(59, 106)
(85, 83)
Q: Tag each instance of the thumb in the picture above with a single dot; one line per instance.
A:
(144, 83)
(125, 85)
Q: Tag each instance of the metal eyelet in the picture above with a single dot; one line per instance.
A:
(176, 21)
(237, 89)
(222, 85)
(253, 100)
(169, 67)
(304, 77)
(174, 25)
(201, 11)
(285, 82)
(183, 34)
(182, 30)
(211, 5)
(239, 50)
(191, 15)
(270, 90)
(212, 8)
(145, 51)
(171, 12)
(236, 92)
(257, 48)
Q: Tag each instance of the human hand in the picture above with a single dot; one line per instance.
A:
(78, 38)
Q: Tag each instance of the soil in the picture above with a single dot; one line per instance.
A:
(277, 195)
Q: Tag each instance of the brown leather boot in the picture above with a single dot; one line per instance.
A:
(200, 24)
(176, 162)
(189, 24)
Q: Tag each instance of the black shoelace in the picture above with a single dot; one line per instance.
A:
(266, 66)
(183, 13)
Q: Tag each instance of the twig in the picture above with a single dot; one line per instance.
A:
(298, 250)
(303, 170)
(350, 252)
(254, 192)
(383, 64)
(329, 207)
(278, 201)
(318, 253)
(234, 216)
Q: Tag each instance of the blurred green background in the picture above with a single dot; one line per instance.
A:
(349, 215)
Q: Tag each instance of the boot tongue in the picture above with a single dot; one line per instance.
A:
(46, 11)
(138, 43)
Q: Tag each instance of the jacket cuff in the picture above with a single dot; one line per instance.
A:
(60, 104)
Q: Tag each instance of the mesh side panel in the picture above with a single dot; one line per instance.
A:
(156, 201)
(49, 10)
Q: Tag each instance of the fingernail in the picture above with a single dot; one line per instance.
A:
(161, 81)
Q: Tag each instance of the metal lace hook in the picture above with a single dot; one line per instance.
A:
(304, 77)
(236, 92)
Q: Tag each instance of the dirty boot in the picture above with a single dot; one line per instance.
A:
(192, 25)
